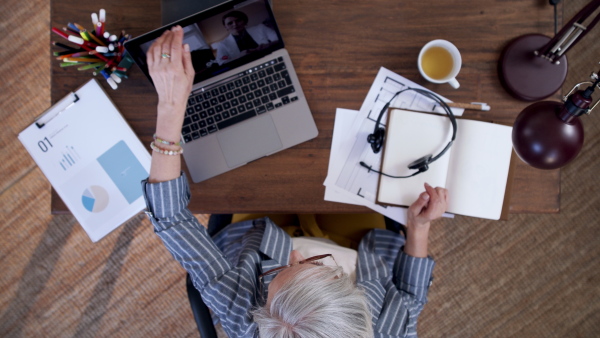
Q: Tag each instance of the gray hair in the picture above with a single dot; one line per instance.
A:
(317, 302)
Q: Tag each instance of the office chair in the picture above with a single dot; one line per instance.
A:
(200, 310)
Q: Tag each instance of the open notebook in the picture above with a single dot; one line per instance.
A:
(475, 170)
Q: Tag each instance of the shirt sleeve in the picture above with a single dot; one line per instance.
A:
(182, 234)
(395, 283)
(225, 289)
(413, 275)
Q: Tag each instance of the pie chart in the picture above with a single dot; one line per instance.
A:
(94, 198)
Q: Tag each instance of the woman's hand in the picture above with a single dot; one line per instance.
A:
(430, 205)
(171, 70)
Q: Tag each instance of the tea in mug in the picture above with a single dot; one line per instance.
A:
(437, 63)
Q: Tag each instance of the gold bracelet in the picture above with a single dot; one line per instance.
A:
(165, 151)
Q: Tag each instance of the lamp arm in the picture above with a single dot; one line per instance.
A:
(596, 85)
(570, 34)
(578, 102)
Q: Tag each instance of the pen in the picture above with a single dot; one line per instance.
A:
(100, 28)
(74, 39)
(102, 16)
(115, 77)
(69, 31)
(471, 106)
(68, 48)
(66, 53)
(101, 21)
(109, 79)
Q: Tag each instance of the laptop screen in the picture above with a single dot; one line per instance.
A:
(220, 38)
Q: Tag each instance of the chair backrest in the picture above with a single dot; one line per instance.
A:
(200, 311)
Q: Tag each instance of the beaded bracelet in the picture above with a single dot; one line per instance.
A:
(165, 151)
(157, 139)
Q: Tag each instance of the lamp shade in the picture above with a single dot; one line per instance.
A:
(543, 139)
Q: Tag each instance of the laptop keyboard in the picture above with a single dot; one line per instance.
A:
(255, 91)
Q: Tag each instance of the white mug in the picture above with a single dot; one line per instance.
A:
(439, 62)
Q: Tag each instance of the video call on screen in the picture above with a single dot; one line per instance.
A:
(212, 45)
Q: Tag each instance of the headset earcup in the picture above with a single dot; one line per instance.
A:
(376, 139)
(421, 164)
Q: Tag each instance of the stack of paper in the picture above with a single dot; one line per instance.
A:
(347, 181)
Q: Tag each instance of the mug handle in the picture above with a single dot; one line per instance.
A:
(454, 83)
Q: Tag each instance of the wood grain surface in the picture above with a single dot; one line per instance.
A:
(337, 48)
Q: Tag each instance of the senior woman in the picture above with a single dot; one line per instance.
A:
(244, 262)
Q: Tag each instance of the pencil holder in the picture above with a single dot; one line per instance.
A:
(96, 50)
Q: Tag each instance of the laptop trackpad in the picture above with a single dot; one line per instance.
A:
(249, 141)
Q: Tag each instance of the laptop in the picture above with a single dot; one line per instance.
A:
(246, 100)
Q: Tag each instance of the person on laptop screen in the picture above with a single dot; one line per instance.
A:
(241, 39)
(247, 272)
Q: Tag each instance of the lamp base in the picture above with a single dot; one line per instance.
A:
(526, 76)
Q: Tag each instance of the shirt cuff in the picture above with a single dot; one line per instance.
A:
(414, 275)
(166, 200)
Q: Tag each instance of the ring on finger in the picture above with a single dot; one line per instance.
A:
(165, 55)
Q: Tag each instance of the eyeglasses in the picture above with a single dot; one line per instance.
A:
(319, 260)
(315, 260)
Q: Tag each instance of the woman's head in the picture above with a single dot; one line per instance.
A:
(306, 300)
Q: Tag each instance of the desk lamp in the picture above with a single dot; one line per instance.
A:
(548, 134)
(534, 66)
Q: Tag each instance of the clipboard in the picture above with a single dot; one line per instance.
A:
(92, 158)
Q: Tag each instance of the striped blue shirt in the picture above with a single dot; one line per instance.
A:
(225, 268)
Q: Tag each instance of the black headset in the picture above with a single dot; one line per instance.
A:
(377, 138)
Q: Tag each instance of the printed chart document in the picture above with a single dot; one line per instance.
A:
(341, 141)
(92, 158)
(350, 179)
(474, 170)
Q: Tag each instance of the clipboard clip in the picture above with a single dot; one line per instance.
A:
(62, 105)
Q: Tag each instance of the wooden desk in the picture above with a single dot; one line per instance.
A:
(337, 48)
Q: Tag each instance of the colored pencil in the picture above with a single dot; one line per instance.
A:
(97, 50)
(69, 64)
(93, 65)
(73, 27)
(93, 37)
(78, 54)
(76, 59)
